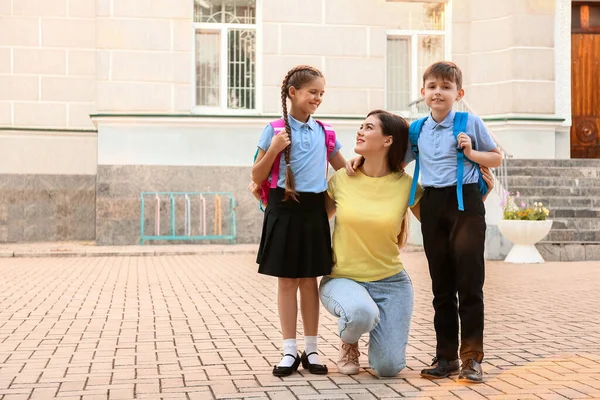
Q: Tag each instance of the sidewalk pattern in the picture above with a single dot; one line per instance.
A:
(206, 327)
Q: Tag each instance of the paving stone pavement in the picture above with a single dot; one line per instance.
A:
(206, 327)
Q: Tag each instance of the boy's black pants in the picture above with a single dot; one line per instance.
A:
(454, 244)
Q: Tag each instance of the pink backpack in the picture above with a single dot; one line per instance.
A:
(279, 126)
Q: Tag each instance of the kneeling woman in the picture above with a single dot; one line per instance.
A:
(368, 289)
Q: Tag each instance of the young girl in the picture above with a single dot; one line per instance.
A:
(295, 244)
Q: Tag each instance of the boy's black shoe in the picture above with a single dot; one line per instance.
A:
(442, 369)
(471, 372)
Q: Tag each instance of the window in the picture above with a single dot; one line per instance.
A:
(225, 40)
(409, 53)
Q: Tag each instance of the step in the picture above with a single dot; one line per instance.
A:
(572, 235)
(575, 223)
(559, 202)
(572, 212)
(553, 181)
(558, 191)
(574, 172)
(569, 163)
(569, 251)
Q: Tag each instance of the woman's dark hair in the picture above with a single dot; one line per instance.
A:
(296, 77)
(397, 127)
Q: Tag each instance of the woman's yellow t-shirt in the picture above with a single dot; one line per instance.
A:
(369, 213)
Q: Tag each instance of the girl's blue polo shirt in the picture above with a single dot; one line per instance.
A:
(308, 155)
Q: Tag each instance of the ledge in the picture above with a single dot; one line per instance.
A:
(216, 116)
(57, 130)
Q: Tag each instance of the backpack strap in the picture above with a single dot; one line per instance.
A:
(460, 125)
(330, 137)
(278, 126)
(414, 131)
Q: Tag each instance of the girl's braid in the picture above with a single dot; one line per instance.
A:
(290, 184)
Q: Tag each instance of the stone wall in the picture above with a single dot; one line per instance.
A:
(47, 207)
(118, 198)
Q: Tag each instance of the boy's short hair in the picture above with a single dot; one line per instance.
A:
(445, 70)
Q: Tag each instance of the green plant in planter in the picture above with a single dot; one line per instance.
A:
(513, 210)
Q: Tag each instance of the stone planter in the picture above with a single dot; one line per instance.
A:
(524, 235)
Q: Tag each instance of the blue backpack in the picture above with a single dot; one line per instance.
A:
(460, 125)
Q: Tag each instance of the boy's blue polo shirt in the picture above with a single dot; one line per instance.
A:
(308, 155)
(438, 153)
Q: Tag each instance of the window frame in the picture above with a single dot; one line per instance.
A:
(413, 35)
(222, 28)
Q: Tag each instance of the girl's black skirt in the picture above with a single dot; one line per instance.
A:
(295, 241)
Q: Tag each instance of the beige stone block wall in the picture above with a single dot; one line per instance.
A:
(35, 60)
(40, 114)
(48, 153)
(346, 39)
(47, 82)
(506, 52)
(5, 113)
(71, 33)
(82, 62)
(5, 60)
(48, 62)
(393, 15)
(19, 88)
(152, 66)
(68, 89)
(5, 7)
(40, 8)
(82, 9)
(19, 31)
(79, 115)
(328, 41)
(133, 97)
(359, 72)
(144, 59)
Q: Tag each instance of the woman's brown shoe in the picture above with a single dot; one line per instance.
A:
(348, 362)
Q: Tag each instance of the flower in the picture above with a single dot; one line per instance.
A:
(522, 212)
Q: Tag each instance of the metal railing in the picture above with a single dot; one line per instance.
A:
(419, 109)
(201, 211)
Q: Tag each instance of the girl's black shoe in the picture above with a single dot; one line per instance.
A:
(316, 369)
(287, 371)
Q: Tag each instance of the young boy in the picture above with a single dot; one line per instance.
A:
(453, 240)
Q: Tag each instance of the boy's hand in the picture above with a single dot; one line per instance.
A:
(353, 164)
(488, 177)
(464, 143)
(255, 189)
(280, 142)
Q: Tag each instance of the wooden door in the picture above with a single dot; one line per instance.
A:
(585, 96)
(585, 81)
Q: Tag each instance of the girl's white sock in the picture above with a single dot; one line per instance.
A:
(289, 347)
(310, 346)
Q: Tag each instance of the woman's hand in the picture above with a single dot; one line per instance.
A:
(488, 177)
(353, 164)
(255, 190)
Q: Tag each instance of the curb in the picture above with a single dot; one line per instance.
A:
(133, 253)
(144, 252)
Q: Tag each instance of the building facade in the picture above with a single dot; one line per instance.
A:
(101, 100)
